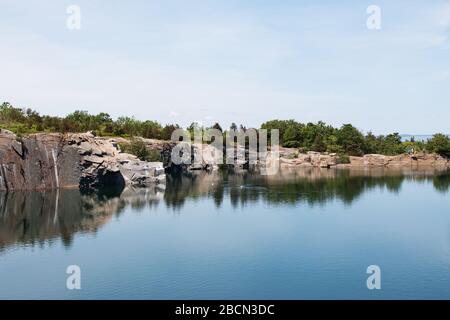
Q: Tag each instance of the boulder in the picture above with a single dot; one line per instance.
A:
(142, 173)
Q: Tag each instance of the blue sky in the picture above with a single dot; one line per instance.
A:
(241, 61)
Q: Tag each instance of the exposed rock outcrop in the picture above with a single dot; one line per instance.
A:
(40, 161)
(421, 159)
(52, 160)
(310, 159)
(290, 158)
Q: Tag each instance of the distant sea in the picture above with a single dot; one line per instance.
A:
(417, 137)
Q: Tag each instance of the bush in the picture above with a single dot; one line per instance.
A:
(138, 148)
(154, 156)
(343, 159)
(291, 144)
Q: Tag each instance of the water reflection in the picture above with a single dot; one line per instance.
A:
(36, 218)
(314, 186)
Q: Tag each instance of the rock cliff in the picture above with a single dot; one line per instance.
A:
(52, 160)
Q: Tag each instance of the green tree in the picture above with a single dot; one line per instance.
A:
(127, 126)
(151, 129)
(391, 144)
(371, 144)
(351, 140)
(314, 135)
(166, 133)
(319, 144)
(290, 137)
(333, 145)
(282, 126)
(440, 144)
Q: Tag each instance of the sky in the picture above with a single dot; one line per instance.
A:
(243, 61)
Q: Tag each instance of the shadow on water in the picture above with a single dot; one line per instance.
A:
(36, 218)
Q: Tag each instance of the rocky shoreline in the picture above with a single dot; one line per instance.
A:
(82, 160)
(290, 158)
(51, 160)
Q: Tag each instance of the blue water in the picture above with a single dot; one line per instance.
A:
(214, 236)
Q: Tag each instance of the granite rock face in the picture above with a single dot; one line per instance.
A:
(202, 156)
(311, 159)
(52, 160)
(291, 158)
(420, 159)
(40, 161)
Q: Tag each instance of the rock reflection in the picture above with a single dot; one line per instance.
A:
(33, 217)
(36, 218)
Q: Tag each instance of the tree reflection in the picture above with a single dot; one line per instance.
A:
(38, 218)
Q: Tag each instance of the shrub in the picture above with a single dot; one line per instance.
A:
(343, 159)
(291, 144)
(138, 148)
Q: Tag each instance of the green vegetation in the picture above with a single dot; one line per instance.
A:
(439, 144)
(321, 137)
(24, 121)
(349, 141)
(343, 159)
(137, 147)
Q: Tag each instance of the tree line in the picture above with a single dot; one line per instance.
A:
(25, 121)
(348, 140)
(320, 137)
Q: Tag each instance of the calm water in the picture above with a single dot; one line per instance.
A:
(305, 234)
